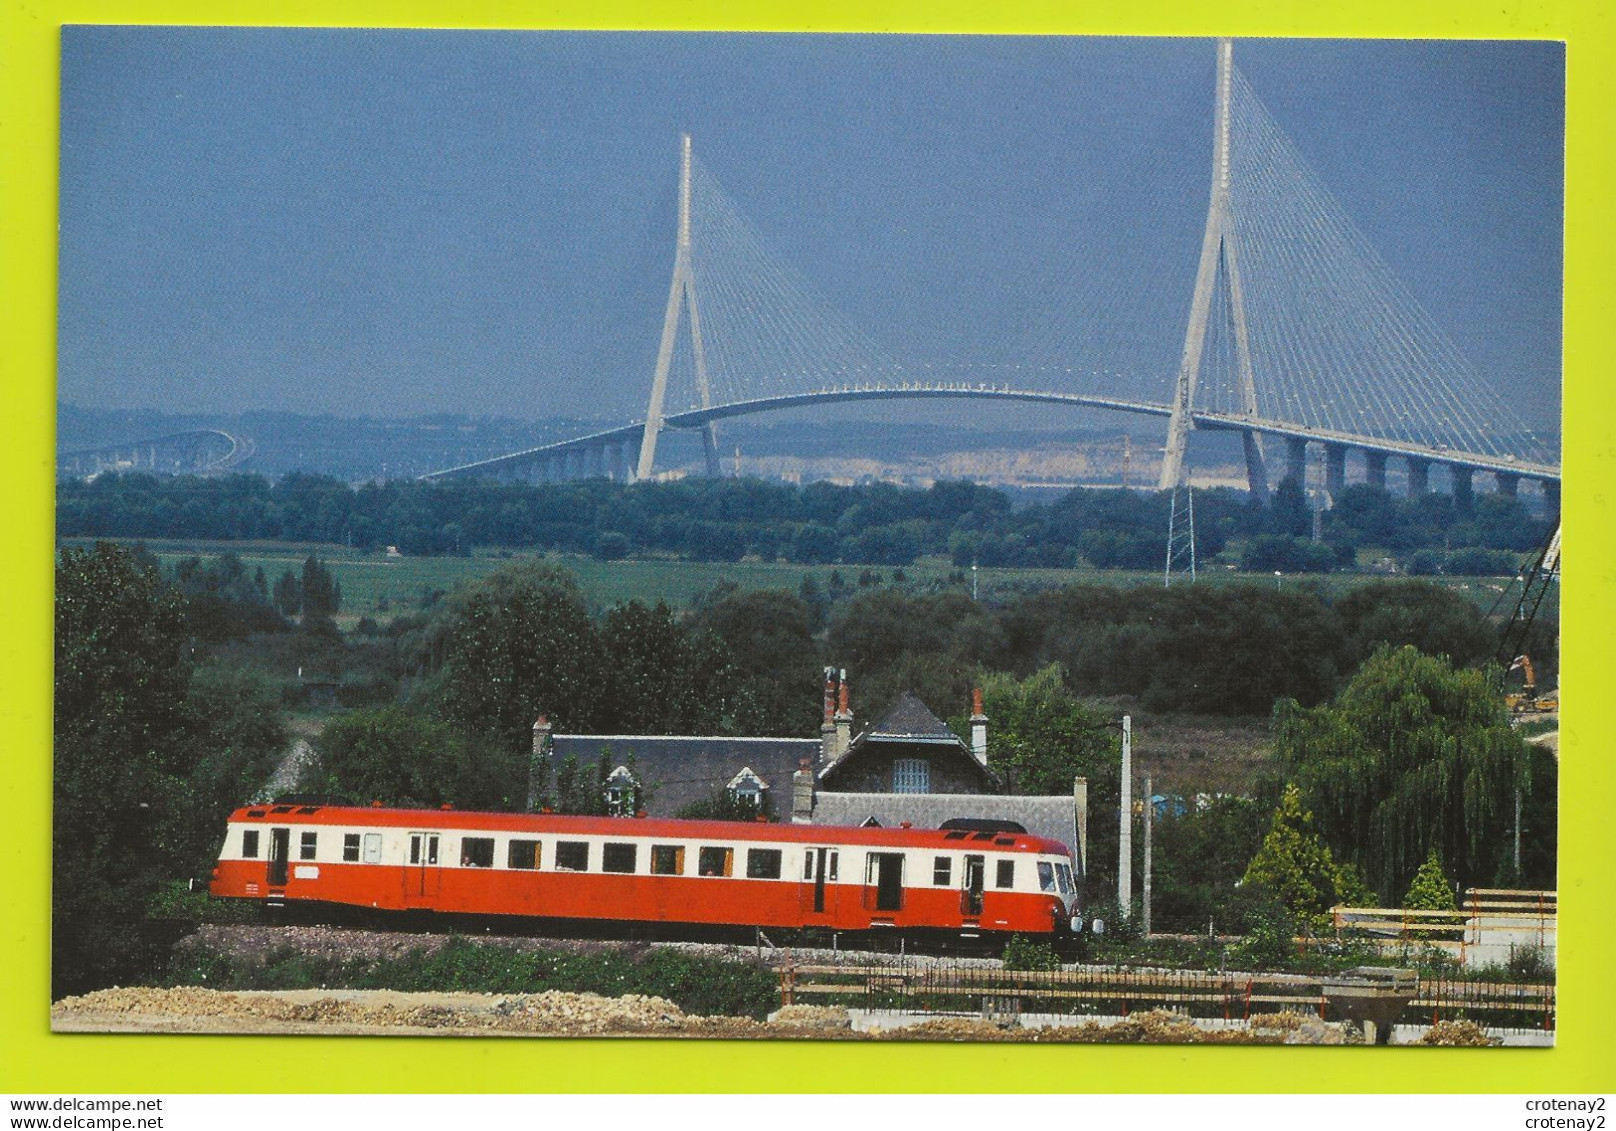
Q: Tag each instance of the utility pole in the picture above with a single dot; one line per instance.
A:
(1125, 826)
(1150, 805)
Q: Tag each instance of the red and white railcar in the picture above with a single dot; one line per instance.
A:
(961, 881)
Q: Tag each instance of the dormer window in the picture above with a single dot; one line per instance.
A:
(622, 793)
(747, 786)
(911, 775)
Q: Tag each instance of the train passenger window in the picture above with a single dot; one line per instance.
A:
(667, 860)
(306, 846)
(619, 858)
(942, 871)
(1046, 876)
(716, 861)
(373, 848)
(1006, 877)
(350, 847)
(763, 863)
(477, 852)
(572, 856)
(249, 844)
(522, 854)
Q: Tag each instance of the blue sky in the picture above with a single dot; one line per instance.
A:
(393, 222)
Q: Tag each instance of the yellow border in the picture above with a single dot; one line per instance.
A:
(37, 1061)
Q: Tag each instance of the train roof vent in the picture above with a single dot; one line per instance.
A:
(957, 834)
(309, 809)
(255, 812)
(281, 809)
(981, 836)
(1007, 840)
(982, 824)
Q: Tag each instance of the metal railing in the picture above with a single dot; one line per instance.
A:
(944, 987)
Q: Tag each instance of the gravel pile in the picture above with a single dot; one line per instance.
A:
(558, 1014)
(1457, 1034)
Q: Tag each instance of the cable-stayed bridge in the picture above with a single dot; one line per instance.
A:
(1294, 334)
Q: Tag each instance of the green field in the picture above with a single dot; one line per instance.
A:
(377, 586)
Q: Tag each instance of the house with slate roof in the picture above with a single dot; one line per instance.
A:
(905, 767)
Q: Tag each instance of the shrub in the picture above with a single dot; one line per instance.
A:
(1270, 942)
(1429, 890)
(1023, 953)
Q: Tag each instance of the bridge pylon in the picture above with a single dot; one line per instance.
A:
(1219, 259)
(681, 297)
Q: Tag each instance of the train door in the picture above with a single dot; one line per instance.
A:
(280, 852)
(421, 871)
(884, 881)
(973, 882)
(819, 887)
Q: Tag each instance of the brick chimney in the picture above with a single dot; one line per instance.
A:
(802, 794)
(979, 728)
(844, 718)
(538, 762)
(827, 729)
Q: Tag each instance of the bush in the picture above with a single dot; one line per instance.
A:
(1529, 964)
(1270, 942)
(1430, 890)
(1023, 953)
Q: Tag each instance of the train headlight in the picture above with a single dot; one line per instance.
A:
(1077, 924)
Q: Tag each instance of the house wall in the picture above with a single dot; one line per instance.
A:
(952, 770)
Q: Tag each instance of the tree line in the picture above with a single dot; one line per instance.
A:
(728, 519)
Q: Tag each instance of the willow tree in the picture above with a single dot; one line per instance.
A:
(1414, 756)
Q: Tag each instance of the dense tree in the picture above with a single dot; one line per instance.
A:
(1411, 756)
(120, 751)
(722, 520)
(770, 640)
(1235, 650)
(1200, 857)
(404, 756)
(222, 601)
(1285, 554)
(1289, 515)
(1437, 621)
(288, 593)
(659, 677)
(1042, 736)
(238, 735)
(322, 596)
(517, 644)
(147, 759)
